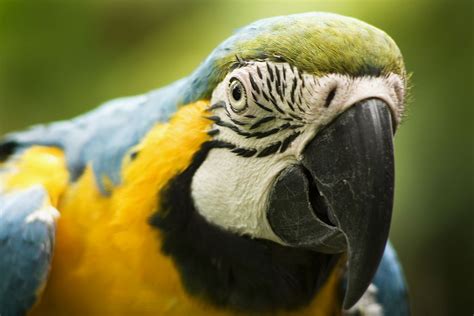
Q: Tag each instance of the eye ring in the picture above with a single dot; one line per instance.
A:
(237, 95)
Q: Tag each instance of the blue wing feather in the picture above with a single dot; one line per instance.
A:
(103, 136)
(391, 286)
(26, 248)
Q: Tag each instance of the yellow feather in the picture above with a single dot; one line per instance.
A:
(107, 258)
(37, 165)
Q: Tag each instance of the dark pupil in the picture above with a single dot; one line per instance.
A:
(236, 93)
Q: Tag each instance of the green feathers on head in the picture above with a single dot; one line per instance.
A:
(316, 43)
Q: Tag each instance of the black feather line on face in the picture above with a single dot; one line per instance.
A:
(283, 88)
(294, 70)
(259, 72)
(217, 105)
(295, 116)
(295, 126)
(330, 97)
(299, 74)
(278, 86)
(298, 105)
(287, 142)
(213, 132)
(222, 144)
(265, 96)
(290, 104)
(262, 121)
(244, 152)
(293, 89)
(275, 104)
(278, 92)
(260, 135)
(237, 122)
(285, 126)
(214, 118)
(233, 128)
(232, 272)
(263, 107)
(269, 86)
(254, 84)
(299, 100)
(270, 72)
(273, 148)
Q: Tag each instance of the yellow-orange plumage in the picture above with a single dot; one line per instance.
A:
(107, 259)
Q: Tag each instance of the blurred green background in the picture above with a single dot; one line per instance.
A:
(61, 58)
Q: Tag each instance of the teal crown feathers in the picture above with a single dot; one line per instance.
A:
(316, 43)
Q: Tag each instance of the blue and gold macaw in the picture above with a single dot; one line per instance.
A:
(261, 184)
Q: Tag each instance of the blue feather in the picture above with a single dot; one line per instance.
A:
(26, 247)
(391, 285)
(103, 137)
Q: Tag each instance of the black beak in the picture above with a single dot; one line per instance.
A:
(340, 198)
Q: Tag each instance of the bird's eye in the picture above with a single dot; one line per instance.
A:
(237, 95)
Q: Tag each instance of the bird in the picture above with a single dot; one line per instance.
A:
(260, 184)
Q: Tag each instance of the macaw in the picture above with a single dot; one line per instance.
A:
(261, 184)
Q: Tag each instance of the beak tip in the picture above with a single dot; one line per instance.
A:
(352, 296)
(348, 303)
(350, 299)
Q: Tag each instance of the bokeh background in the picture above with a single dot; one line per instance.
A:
(61, 58)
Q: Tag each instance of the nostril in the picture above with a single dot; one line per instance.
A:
(330, 97)
(318, 203)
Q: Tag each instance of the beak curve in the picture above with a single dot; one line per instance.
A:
(340, 198)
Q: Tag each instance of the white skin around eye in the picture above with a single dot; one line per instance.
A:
(231, 190)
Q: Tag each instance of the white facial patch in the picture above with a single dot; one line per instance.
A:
(265, 114)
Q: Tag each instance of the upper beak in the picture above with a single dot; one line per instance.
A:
(340, 198)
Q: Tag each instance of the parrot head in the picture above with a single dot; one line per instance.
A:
(304, 108)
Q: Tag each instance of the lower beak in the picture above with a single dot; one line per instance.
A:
(340, 198)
